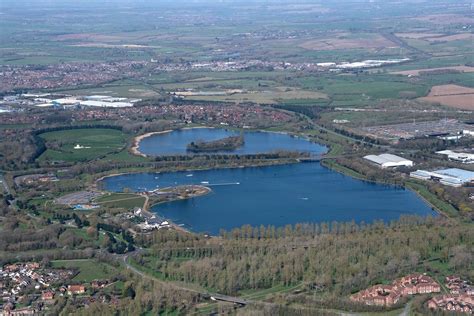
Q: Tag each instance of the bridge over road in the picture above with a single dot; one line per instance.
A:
(230, 299)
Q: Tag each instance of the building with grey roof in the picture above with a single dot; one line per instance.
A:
(389, 160)
(453, 176)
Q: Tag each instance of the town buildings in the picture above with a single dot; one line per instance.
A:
(43, 286)
(76, 289)
(18, 279)
(388, 295)
(458, 286)
(463, 303)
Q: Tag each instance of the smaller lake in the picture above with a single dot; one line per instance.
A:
(175, 142)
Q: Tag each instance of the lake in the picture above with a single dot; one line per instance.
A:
(175, 142)
(274, 195)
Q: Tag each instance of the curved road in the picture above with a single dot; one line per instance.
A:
(216, 296)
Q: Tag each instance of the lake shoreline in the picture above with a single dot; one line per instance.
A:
(134, 149)
(259, 165)
(297, 193)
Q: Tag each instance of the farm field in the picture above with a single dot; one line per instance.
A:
(121, 88)
(452, 95)
(93, 143)
(349, 41)
(277, 95)
(417, 72)
(444, 19)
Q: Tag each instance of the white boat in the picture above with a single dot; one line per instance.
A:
(204, 182)
(189, 175)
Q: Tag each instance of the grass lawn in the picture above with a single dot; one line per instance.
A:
(121, 200)
(89, 269)
(96, 143)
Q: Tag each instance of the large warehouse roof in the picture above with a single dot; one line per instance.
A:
(452, 176)
(377, 159)
(106, 104)
(392, 158)
(389, 160)
(464, 175)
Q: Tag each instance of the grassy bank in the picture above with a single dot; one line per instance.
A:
(441, 206)
(333, 165)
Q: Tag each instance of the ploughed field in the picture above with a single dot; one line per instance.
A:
(452, 95)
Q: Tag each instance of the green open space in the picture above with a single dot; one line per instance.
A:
(94, 143)
(121, 200)
(89, 269)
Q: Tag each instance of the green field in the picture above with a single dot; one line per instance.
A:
(121, 200)
(97, 142)
(89, 269)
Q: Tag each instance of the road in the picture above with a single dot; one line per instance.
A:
(214, 296)
(406, 310)
(4, 183)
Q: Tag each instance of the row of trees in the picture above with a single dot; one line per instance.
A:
(340, 257)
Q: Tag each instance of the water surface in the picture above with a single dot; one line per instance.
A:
(175, 142)
(275, 195)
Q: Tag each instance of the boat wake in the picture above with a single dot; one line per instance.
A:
(228, 183)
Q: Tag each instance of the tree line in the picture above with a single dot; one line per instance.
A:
(339, 257)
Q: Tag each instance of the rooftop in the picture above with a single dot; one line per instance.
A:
(386, 158)
(464, 175)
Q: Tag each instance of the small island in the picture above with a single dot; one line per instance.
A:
(228, 143)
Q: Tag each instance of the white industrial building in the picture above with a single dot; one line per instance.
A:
(389, 160)
(65, 102)
(96, 97)
(453, 176)
(468, 132)
(106, 104)
(91, 100)
(459, 157)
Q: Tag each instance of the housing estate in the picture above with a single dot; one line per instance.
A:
(388, 295)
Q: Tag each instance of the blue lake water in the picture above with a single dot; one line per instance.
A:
(274, 195)
(174, 143)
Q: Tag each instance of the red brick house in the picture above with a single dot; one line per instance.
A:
(76, 289)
